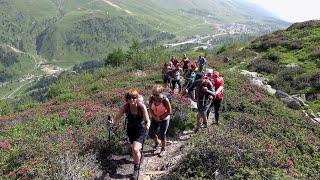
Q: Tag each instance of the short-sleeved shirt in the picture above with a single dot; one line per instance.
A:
(217, 83)
(202, 61)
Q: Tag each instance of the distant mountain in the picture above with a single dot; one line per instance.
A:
(67, 32)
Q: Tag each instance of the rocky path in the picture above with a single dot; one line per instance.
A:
(153, 166)
(121, 167)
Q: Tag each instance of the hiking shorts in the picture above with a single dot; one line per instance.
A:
(203, 106)
(135, 134)
(184, 68)
(164, 125)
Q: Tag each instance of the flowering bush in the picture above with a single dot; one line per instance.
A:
(258, 138)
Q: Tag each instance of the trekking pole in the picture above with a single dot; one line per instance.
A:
(144, 138)
(109, 134)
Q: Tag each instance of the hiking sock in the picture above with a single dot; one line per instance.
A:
(136, 167)
(135, 171)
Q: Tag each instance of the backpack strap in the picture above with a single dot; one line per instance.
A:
(127, 110)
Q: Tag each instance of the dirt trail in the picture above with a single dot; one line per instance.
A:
(121, 167)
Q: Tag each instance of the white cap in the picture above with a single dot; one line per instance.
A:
(210, 71)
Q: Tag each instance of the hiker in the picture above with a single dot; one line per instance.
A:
(185, 62)
(160, 109)
(218, 83)
(176, 79)
(205, 93)
(190, 75)
(138, 123)
(202, 63)
(174, 61)
(166, 74)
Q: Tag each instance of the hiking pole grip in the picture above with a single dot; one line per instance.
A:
(109, 130)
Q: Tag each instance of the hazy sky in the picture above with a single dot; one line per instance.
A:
(292, 10)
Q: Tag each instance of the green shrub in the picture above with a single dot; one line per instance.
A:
(315, 81)
(264, 65)
(274, 56)
(116, 58)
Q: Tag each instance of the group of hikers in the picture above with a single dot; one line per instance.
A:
(206, 88)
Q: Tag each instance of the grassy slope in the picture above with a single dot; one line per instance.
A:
(299, 45)
(258, 137)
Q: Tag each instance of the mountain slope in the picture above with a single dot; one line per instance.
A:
(258, 136)
(68, 32)
(293, 58)
(34, 17)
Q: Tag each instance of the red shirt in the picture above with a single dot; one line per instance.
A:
(174, 62)
(186, 62)
(217, 83)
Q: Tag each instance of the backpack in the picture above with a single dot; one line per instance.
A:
(202, 61)
(193, 76)
(166, 95)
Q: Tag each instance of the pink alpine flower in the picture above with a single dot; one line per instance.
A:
(290, 162)
(5, 145)
(11, 173)
(21, 170)
(270, 149)
(64, 114)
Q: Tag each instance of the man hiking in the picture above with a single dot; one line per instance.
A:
(218, 83)
(202, 63)
(160, 109)
(138, 123)
(205, 93)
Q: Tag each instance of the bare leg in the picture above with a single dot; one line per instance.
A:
(198, 123)
(164, 143)
(156, 140)
(205, 119)
(136, 154)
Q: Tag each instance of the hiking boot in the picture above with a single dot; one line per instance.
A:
(155, 146)
(162, 152)
(205, 125)
(196, 130)
(215, 123)
(135, 172)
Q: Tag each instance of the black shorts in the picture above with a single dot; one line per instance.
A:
(185, 68)
(166, 79)
(135, 134)
(203, 106)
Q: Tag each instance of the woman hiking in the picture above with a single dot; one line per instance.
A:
(160, 109)
(185, 61)
(138, 123)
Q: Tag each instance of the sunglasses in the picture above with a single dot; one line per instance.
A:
(131, 97)
(157, 95)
